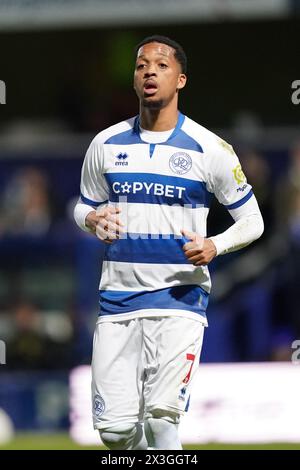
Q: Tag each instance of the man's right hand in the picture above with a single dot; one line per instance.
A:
(105, 224)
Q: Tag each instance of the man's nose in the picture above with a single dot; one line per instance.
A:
(150, 71)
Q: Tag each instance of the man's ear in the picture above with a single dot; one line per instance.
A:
(181, 81)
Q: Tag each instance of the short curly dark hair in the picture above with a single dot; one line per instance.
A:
(179, 54)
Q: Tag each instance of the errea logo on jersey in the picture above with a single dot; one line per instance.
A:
(156, 189)
(121, 159)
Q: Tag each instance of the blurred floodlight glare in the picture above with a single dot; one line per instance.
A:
(41, 14)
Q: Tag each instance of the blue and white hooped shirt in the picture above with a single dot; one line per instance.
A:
(160, 188)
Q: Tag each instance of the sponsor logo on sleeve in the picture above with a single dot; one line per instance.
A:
(239, 175)
(242, 188)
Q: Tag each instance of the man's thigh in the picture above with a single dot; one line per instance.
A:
(117, 373)
(172, 348)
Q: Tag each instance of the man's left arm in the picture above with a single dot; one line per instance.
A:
(227, 181)
(248, 227)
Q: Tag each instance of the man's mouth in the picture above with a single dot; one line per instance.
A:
(150, 87)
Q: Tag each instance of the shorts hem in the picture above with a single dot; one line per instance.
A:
(148, 313)
(109, 424)
(164, 407)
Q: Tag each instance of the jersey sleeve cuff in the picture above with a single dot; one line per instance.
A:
(219, 243)
(91, 202)
(80, 213)
(239, 203)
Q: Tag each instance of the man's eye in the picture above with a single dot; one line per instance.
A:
(163, 66)
(140, 66)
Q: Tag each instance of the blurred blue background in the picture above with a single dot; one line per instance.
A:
(67, 81)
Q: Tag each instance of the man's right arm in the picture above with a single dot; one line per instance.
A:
(93, 188)
(85, 217)
(92, 212)
(103, 222)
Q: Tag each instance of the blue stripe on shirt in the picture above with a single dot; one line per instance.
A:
(90, 202)
(140, 248)
(185, 297)
(151, 188)
(129, 137)
(242, 201)
(183, 141)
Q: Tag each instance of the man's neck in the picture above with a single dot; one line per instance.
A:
(158, 120)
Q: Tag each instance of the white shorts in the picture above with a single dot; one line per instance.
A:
(143, 364)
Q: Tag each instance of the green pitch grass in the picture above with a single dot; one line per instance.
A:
(28, 441)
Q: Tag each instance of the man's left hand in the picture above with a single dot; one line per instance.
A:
(199, 250)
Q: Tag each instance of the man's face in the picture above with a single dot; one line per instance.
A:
(157, 75)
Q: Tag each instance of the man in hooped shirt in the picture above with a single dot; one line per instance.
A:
(146, 188)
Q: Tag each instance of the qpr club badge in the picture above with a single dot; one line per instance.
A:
(99, 405)
(180, 163)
